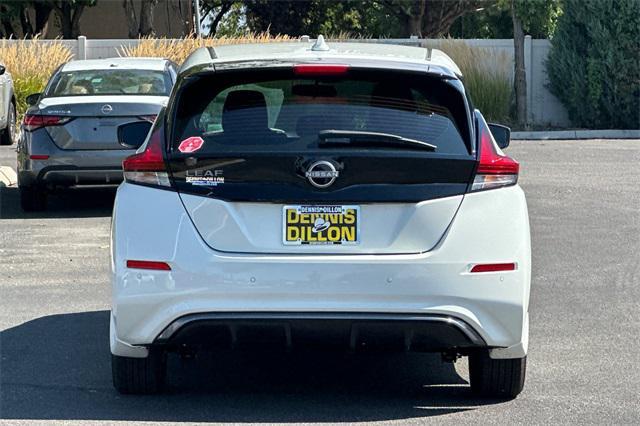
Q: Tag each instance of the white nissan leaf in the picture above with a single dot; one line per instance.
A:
(307, 195)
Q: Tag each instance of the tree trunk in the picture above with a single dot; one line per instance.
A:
(520, 76)
(43, 11)
(75, 21)
(441, 14)
(7, 25)
(64, 13)
(416, 15)
(224, 8)
(25, 22)
(132, 21)
(146, 17)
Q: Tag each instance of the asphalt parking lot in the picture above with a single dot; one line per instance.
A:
(583, 365)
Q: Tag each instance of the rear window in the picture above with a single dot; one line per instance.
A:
(268, 110)
(110, 82)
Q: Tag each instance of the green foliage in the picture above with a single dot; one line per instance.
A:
(539, 19)
(594, 63)
(486, 76)
(23, 87)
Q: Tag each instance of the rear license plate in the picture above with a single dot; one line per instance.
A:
(311, 225)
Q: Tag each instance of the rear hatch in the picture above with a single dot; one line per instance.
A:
(321, 160)
(93, 102)
(91, 122)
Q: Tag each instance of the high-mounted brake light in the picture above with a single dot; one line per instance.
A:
(493, 267)
(148, 167)
(33, 122)
(495, 169)
(148, 264)
(320, 69)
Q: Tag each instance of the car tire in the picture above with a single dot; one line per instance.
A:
(498, 378)
(140, 376)
(8, 134)
(32, 198)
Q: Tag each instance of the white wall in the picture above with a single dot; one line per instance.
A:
(543, 108)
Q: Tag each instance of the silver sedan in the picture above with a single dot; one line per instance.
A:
(69, 134)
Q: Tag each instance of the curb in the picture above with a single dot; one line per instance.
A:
(8, 176)
(577, 134)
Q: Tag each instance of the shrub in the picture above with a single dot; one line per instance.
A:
(594, 63)
(178, 49)
(486, 75)
(31, 63)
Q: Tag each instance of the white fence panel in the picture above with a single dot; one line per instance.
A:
(543, 107)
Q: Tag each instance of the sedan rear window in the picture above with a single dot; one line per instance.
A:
(275, 109)
(110, 82)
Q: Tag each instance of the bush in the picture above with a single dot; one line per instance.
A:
(178, 49)
(486, 75)
(594, 63)
(31, 63)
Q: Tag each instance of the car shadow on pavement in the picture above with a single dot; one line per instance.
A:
(58, 367)
(69, 203)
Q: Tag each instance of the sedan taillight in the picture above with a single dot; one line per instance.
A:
(33, 122)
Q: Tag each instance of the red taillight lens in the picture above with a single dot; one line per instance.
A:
(148, 264)
(148, 167)
(32, 122)
(320, 69)
(493, 267)
(495, 169)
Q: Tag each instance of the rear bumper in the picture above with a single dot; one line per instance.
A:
(353, 330)
(72, 176)
(66, 167)
(318, 289)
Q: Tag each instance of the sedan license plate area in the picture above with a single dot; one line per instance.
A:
(320, 225)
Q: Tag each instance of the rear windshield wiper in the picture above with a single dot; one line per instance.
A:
(355, 137)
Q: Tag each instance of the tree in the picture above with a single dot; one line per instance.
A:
(428, 18)
(143, 26)
(215, 11)
(594, 63)
(519, 72)
(283, 17)
(69, 13)
(526, 15)
(21, 11)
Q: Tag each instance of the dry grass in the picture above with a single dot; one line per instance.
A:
(178, 49)
(487, 77)
(31, 63)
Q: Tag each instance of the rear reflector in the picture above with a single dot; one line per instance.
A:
(148, 264)
(494, 267)
(320, 69)
(32, 122)
(39, 157)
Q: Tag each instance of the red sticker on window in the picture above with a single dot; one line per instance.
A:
(191, 144)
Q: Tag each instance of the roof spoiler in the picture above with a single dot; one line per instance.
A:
(198, 57)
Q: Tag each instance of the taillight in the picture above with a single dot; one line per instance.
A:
(32, 122)
(320, 69)
(495, 169)
(148, 167)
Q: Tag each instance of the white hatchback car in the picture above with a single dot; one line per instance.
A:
(303, 194)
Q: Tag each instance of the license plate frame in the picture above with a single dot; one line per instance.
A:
(311, 232)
